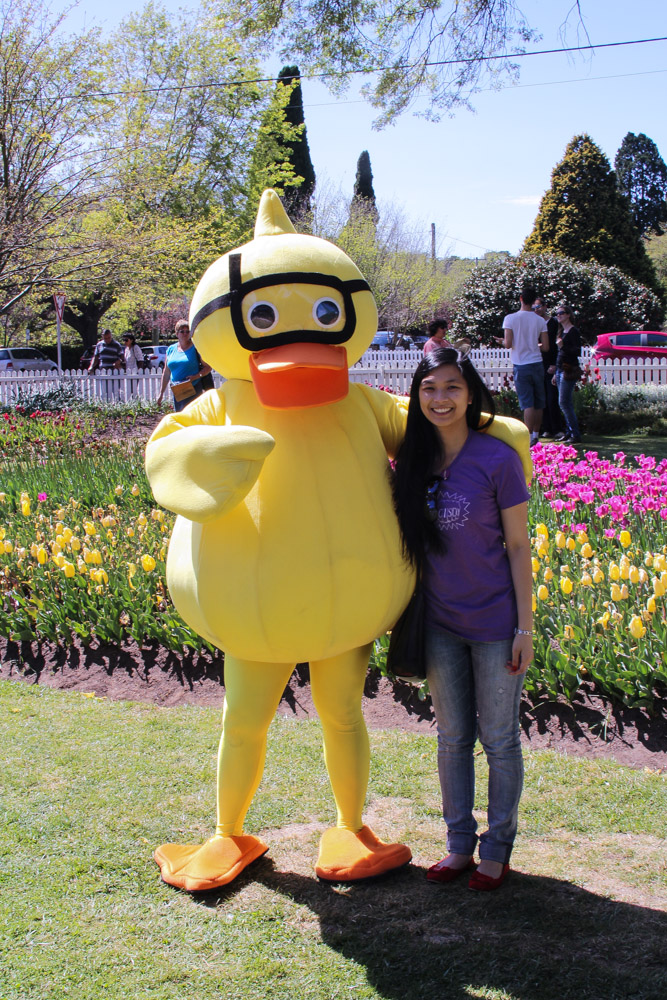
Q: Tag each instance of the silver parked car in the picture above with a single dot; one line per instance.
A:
(24, 359)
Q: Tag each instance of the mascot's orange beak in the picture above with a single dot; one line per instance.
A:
(295, 376)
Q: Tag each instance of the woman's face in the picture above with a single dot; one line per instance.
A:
(183, 335)
(444, 397)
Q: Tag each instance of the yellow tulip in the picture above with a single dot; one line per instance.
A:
(41, 555)
(68, 569)
(650, 605)
(582, 537)
(659, 562)
(634, 575)
(533, 602)
(75, 545)
(625, 539)
(535, 564)
(130, 532)
(615, 592)
(88, 557)
(147, 563)
(142, 520)
(586, 580)
(663, 578)
(81, 566)
(8, 546)
(586, 550)
(570, 544)
(542, 592)
(542, 550)
(542, 531)
(25, 508)
(59, 560)
(637, 627)
(604, 621)
(89, 528)
(3, 497)
(598, 575)
(566, 585)
(658, 587)
(568, 632)
(648, 559)
(643, 575)
(560, 540)
(119, 491)
(624, 592)
(97, 558)
(548, 574)
(614, 571)
(135, 491)
(2, 533)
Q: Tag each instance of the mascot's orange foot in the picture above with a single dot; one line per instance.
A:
(347, 857)
(200, 867)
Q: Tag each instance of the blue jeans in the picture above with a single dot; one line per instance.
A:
(473, 692)
(566, 403)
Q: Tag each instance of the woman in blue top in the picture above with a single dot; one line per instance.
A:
(461, 501)
(183, 364)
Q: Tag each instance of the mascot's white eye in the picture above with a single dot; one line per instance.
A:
(326, 312)
(263, 316)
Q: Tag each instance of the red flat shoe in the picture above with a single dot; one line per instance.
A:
(445, 873)
(484, 883)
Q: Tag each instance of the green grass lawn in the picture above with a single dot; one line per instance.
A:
(90, 787)
(632, 444)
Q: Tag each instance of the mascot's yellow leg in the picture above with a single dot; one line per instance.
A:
(252, 695)
(350, 851)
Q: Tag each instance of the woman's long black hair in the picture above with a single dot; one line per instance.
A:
(420, 456)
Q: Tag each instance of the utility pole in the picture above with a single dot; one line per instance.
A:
(433, 241)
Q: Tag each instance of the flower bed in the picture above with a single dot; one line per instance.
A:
(82, 556)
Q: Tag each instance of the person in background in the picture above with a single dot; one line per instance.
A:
(436, 332)
(135, 362)
(568, 341)
(183, 364)
(462, 505)
(525, 333)
(552, 420)
(107, 354)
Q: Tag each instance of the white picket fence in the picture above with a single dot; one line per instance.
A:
(393, 369)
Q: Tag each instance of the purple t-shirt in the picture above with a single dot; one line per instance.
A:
(468, 589)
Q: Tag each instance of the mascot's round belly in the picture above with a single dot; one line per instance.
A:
(309, 565)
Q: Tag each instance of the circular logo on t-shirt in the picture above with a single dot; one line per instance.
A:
(453, 510)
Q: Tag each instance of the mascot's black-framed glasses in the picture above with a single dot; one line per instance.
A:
(238, 289)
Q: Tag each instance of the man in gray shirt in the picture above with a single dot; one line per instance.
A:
(525, 333)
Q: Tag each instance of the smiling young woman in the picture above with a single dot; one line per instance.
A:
(461, 501)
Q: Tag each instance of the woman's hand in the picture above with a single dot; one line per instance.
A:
(522, 654)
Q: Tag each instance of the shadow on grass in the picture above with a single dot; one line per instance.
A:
(537, 938)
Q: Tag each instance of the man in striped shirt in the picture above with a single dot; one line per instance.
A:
(107, 354)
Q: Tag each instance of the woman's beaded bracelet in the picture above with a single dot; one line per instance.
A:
(522, 631)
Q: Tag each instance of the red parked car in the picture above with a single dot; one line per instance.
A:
(631, 344)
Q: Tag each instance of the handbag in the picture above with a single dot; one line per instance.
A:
(183, 390)
(406, 656)
(571, 373)
(206, 381)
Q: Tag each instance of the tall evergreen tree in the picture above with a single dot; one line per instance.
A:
(363, 199)
(642, 177)
(584, 216)
(297, 198)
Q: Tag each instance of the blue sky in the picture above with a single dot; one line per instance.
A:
(479, 176)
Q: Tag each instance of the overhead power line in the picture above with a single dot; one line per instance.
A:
(361, 72)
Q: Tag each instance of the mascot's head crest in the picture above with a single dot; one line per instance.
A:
(288, 310)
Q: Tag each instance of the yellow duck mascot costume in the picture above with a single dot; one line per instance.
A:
(286, 548)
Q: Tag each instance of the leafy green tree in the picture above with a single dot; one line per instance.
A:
(642, 177)
(583, 215)
(437, 48)
(49, 155)
(603, 298)
(656, 248)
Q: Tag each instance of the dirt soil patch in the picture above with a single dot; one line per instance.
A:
(592, 726)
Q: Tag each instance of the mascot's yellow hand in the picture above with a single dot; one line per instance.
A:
(203, 472)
